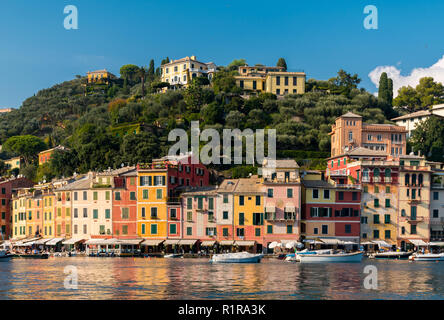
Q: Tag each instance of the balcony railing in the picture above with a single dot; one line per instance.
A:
(413, 219)
(437, 221)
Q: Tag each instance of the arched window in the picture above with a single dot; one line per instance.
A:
(420, 179)
(388, 173)
(407, 179)
(376, 172)
(414, 179)
(365, 173)
(402, 213)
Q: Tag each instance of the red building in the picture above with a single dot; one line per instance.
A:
(7, 188)
(124, 210)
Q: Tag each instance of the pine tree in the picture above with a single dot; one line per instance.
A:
(384, 91)
(282, 63)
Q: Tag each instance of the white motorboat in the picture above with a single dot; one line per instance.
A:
(427, 257)
(295, 257)
(391, 255)
(173, 255)
(5, 255)
(238, 257)
(331, 257)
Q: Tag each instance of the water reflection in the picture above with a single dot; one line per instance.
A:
(150, 278)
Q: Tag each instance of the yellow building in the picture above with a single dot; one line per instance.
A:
(414, 200)
(249, 217)
(180, 72)
(152, 202)
(100, 76)
(48, 198)
(270, 79)
(14, 163)
(19, 212)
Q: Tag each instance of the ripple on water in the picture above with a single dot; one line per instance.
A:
(128, 278)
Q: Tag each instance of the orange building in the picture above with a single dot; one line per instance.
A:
(350, 132)
(45, 155)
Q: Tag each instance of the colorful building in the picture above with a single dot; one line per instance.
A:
(124, 212)
(249, 218)
(100, 76)
(7, 189)
(45, 156)
(225, 213)
(282, 201)
(330, 212)
(274, 80)
(180, 72)
(350, 132)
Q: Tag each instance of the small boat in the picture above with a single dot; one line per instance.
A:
(32, 255)
(331, 257)
(427, 257)
(391, 255)
(238, 257)
(295, 257)
(174, 255)
(5, 256)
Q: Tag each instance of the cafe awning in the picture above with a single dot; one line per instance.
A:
(312, 241)
(367, 243)
(270, 209)
(187, 242)
(133, 242)
(95, 242)
(332, 241)
(72, 241)
(226, 242)
(437, 243)
(151, 242)
(290, 208)
(207, 243)
(418, 242)
(171, 242)
(54, 241)
(382, 243)
(245, 243)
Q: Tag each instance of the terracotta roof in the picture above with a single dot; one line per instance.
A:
(83, 183)
(249, 185)
(228, 185)
(284, 163)
(361, 151)
(350, 115)
(416, 114)
(317, 184)
(209, 190)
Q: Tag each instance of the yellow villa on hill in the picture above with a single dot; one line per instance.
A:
(100, 76)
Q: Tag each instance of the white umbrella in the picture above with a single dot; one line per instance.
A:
(290, 245)
(300, 245)
(273, 245)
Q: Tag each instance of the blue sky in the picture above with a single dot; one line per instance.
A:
(319, 37)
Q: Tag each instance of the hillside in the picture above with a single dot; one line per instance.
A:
(113, 124)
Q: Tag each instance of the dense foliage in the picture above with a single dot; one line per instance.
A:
(128, 121)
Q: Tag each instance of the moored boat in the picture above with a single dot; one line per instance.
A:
(427, 257)
(238, 257)
(295, 256)
(32, 255)
(174, 255)
(331, 257)
(391, 255)
(5, 256)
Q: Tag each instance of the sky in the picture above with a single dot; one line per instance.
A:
(319, 37)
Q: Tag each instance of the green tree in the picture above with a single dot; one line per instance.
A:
(236, 63)
(282, 63)
(193, 97)
(426, 94)
(129, 72)
(143, 74)
(428, 137)
(26, 146)
(385, 92)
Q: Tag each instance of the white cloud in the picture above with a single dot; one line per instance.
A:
(435, 71)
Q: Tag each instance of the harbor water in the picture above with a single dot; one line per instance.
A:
(157, 278)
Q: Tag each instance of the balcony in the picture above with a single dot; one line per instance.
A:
(437, 221)
(376, 179)
(414, 200)
(366, 179)
(349, 186)
(412, 220)
(388, 179)
(173, 200)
